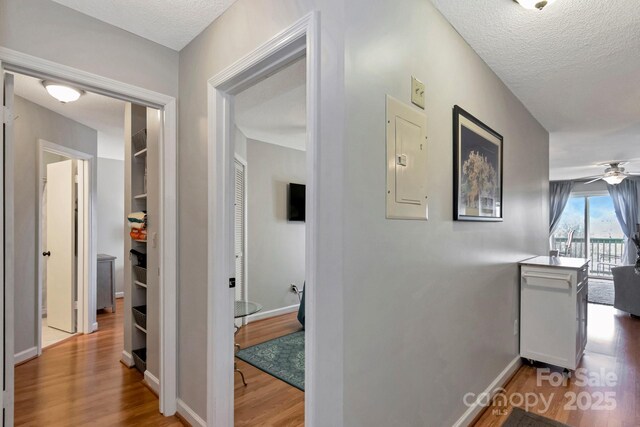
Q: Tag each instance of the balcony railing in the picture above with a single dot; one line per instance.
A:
(604, 253)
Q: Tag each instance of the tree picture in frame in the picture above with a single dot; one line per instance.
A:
(477, 180)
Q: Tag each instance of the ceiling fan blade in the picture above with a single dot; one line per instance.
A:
(594, 180)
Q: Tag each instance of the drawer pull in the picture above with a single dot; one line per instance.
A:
(565, 278)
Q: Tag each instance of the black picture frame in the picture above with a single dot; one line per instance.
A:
(477, 152)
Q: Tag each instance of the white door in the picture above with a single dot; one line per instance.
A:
(240, 230)
(60, 250)
(6, 248)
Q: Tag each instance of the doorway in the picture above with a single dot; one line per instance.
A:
(298, 41)
(589, 229)
(166, 243)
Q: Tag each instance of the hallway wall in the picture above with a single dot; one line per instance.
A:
(33, 123)
(431, 304)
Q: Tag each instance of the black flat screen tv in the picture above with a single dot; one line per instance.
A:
(296, 202)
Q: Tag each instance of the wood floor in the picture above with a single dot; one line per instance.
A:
(266, 401)
(81, 382)
(614, 346)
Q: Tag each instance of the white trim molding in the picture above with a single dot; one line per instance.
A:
(127, 359)
(190, 415)
(23, 356)
(272, 313)
(41, 68)
(152, 381)
(119, 294)
(474, 410)
(297, 41)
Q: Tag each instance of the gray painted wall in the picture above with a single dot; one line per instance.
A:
(33, 123)
(51, 31)
(111, 215)
(429, 306)
(276, 249)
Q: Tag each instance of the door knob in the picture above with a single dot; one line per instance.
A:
(48, 253)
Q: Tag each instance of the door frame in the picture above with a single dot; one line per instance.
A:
(299, 40)
(86, 289)
(37, 67)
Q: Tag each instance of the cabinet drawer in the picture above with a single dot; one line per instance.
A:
(547, 279)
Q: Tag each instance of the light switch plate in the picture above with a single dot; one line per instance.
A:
(417, 92)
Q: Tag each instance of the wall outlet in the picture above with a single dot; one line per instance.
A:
(515, 327)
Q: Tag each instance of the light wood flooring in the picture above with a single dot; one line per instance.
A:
(266, 401)
(81, 382)
(613, 345)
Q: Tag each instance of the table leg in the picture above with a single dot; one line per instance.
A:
(236, 348)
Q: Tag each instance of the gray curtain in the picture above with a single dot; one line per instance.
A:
(559, 192)
(625, 202)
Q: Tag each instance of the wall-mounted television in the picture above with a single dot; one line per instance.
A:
(296, 202)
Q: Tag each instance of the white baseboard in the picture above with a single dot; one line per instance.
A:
(189, 415)
(94, 327)
(119, 294)
(25, 355)
(504, 376)
(152, 382)
(127, 359)
(272, 313)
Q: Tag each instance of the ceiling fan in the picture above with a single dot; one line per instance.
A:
(614, 174)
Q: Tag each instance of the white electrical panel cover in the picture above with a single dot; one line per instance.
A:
(406, 161)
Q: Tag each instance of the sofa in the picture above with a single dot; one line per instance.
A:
(627, 289)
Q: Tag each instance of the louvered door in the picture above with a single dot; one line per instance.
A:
(240, 230)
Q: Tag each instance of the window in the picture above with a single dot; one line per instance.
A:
(589, 228)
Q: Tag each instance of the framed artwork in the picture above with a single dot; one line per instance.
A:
(477, 179)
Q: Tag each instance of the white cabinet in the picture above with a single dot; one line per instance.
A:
(553, 310)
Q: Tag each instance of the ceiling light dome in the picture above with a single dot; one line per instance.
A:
(534, 4)
(62, 92)
(614, 178)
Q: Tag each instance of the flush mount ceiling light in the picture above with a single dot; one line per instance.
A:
(62, 92)
(534, 4)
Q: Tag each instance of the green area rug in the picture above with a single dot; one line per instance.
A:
(521, 418)
(282, 357)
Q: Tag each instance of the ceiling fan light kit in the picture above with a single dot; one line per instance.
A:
(614, 174)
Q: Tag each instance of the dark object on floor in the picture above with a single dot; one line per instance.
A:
(301, 308)
(601, 291)
(282, 358)
(627, 289)
(521, 418)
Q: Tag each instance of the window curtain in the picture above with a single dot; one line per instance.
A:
(559, 192)
(625, 202)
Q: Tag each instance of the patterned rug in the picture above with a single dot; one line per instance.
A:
(601, 291)
(521, 418)
(282, 357)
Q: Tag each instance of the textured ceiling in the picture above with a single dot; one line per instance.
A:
(104, 114)
(576, 67)
(274, 110)
(172, 23)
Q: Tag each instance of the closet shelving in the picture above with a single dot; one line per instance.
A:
(138, 187)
